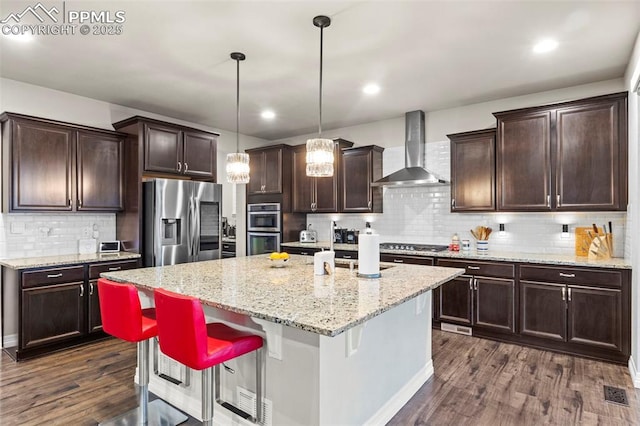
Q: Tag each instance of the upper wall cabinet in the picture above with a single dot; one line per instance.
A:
(269, 167)
(54, 166)
(570, 156)
(473, 171)
(170, 149)
(317, 195)
(360, 167)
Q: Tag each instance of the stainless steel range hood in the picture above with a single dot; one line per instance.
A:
(414, 173)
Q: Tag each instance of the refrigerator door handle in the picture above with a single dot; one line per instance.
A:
(188, 228)
(196, 230)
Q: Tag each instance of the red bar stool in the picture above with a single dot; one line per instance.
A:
(185, 336)
(124, 318)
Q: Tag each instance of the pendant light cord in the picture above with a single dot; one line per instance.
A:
(237, 105)
(320, 91)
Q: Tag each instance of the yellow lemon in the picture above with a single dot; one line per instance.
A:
(284, 255)
(275, 255)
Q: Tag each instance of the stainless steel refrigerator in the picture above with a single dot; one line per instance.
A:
(182, 221)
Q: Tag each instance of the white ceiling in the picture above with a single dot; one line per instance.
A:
(173, 56)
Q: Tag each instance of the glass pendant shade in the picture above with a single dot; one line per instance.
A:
(320, 157)
(238, 167)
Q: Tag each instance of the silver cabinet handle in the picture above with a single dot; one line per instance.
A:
(69, 202)
(475, 268)
(453, 202)
(186, 167)
(346, 256)
(475, 284)
(548, 200)
(79, 203)
(569, 294)
(562, 274)
(54, 275)
(115, 268)
(471, 284)
(557, 200)
(563, 293)
(90, 289)
(369, 205)
(398, 261)
(179, 166)
(81, 290)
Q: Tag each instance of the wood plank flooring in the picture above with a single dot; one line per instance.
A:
(477, 382)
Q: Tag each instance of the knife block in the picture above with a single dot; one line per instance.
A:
(601, 247)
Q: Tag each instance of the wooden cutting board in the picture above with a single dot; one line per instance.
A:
(583, 241)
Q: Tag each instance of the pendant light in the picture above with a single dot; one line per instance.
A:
(320, 150)
(238, 162)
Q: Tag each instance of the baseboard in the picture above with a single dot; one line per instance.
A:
(10, 340)
(635, 374)
(400, 399)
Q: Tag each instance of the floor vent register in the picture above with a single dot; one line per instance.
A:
(615, 395)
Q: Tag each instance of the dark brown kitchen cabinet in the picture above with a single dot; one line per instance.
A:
(58, 307)
(178, 150)
(54, 166)
(483, 298)
(269, 166)
(569, 156)
(100, 159)
(317, 195)
(360, 167)
(577, 310)
(473, 171)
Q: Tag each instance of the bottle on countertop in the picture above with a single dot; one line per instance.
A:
(455, 243)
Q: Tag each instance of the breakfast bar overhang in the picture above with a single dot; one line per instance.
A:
(342, 350)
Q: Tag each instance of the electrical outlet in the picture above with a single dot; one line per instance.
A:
(17, 227)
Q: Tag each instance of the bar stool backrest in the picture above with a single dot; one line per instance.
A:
(121, 312)
(182, 328)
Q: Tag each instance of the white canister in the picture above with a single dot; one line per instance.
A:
(466, 245)
(482, 246)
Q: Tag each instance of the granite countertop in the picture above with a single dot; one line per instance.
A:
(548, 259)
(66, 259)
(292, 295)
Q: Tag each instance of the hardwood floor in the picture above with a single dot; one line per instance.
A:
(477, 382)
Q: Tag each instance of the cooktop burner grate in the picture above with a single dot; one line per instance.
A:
(413, 247)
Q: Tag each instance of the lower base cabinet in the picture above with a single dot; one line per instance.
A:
(57, 307)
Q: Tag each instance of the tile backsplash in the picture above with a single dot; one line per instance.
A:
(31, 235)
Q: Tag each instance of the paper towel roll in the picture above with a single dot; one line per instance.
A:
(322, 257)
(369, 255)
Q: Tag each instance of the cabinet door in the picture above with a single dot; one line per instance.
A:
(302, 184)
(256, 173)
(52, 313)
(199, 159)
(357, 170)
(272, 171)
(42, 166)
(543, 310)
(94, 317)
(99, 172)
(595, 316)
(455, 300)
(524, 161)
(326, 194)
(473, 171)
(494, 304)
(162, 149)
(588, 157)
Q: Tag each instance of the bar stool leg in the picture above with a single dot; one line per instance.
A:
(259, 361)
(207, 396)
(156, 412)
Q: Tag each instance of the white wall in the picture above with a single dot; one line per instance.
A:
(39, 101)
(632, 80)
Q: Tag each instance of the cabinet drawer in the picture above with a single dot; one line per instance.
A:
(346, 254)
(231, 247)
(487, 269)
(96, 269)
(52, 276)
(571, 275)
(301, 250)
(416, 260)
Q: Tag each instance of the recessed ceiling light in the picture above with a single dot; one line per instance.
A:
(371, 89)
(544, 46)
(268, 115)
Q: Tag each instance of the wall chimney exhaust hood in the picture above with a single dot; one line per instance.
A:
(414, 172)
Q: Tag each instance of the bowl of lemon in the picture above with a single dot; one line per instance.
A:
(278, 260)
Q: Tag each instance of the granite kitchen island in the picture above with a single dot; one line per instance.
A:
(342, 350)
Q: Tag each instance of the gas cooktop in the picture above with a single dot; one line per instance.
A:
(413, 247)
